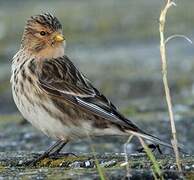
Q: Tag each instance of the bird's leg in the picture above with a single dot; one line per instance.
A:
(158, 147)
(58, 145)
(55, 154)
(57, 151)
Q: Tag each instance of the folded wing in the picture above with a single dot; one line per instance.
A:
(60, 78)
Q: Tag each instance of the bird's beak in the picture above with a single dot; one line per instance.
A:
(59, 38)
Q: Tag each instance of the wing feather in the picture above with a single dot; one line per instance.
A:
(60, 78)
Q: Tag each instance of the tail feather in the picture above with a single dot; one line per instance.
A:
(156, 140)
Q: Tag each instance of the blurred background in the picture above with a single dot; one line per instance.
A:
(116, 44)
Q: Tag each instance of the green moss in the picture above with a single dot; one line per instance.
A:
(63, 161)
(2, 168)
(189, 175)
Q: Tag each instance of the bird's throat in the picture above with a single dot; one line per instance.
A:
(51, 52)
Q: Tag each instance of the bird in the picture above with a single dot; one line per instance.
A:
(55, 97)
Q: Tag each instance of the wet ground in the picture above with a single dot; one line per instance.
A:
(84, 167)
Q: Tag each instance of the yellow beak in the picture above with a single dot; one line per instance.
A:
(59, 38)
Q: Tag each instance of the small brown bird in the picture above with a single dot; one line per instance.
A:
(55, 96)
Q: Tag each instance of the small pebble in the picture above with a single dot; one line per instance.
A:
(87, 163)
(75, 165)
(108, 163)
(187, 168)
(20, 162)
(172, 167)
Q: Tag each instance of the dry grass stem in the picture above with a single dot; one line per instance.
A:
(126, 157)
(178, 36)
(162, 19)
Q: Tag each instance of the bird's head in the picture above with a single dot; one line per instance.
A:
(43, 36)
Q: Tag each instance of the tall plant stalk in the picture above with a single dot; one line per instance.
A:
(162, 22)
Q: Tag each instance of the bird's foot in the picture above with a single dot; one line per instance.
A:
(34, 162)
(153, 147)
(54, 155)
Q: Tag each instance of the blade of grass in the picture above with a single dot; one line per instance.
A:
(156, 167)
(99, 168)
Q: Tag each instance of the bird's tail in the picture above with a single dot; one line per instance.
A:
(154, 139)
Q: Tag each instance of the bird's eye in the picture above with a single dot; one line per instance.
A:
(42, 33)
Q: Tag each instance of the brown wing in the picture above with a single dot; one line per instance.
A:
(59, 77)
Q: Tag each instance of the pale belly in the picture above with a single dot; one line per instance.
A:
(52, 126)
(40, 119)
